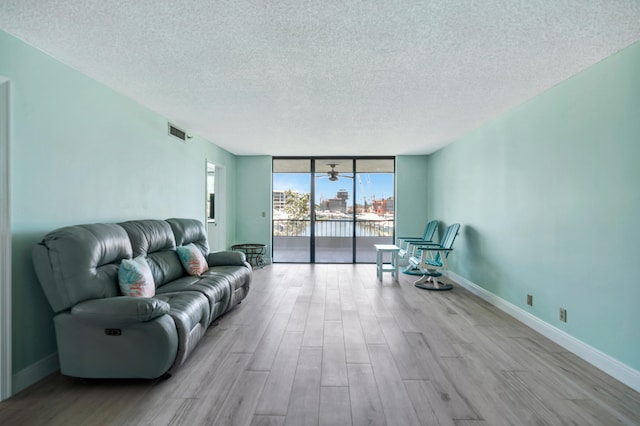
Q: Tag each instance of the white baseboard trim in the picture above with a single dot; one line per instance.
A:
(35, 372)
(600, 360)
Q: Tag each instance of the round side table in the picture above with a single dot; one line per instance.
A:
(253, 251)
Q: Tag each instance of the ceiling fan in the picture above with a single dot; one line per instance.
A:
(333, 173)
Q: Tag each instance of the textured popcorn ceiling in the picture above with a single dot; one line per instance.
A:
(327, 77)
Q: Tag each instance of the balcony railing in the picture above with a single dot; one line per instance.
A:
(333, 228)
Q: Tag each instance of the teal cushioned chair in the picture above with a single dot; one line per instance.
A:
(430, 259)
(408, 244)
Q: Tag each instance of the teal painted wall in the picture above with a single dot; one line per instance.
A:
(411, 200)
(549, 202)
(254, 198)
(83, 153)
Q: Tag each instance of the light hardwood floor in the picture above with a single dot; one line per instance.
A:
(331, 345)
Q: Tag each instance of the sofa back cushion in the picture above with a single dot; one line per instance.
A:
(188, 231)
(78, 263)
(154, 239)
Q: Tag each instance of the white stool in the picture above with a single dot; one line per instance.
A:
(386, 267)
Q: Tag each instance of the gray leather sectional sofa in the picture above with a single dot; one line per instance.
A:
(101, 333)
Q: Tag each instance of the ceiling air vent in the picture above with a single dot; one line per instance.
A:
(177, 133)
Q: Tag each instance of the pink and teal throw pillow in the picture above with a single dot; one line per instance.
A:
(135, 278)
(192, 259)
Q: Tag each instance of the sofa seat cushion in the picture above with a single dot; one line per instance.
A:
(239, 278)
(216, 289)
(223, 285)
(237, 275)
(190, 312)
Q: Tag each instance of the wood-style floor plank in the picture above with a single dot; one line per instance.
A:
(373, 334)
(334, 406)
(267, 421)
(334, 363)
(314, 327)
(393, 395)
(406, 359)
(266, 350)
(333, 309)
(366, 408)
(208, 402)
(275, 396)
(298, 318)
(427, 402)
(305, 392)
(239, 407)
(333, 345)
(354, 343)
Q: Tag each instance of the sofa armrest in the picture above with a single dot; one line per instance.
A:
(122, 309)
(226, 258)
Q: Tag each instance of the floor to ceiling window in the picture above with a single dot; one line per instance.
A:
(332, 210)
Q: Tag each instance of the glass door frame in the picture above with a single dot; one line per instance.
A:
(312, 200)
(314, 175)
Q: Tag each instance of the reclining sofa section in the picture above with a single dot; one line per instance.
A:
(101, 333)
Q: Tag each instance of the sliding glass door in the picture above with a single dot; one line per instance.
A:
(375, 207)
(291, 228)
(332, 210)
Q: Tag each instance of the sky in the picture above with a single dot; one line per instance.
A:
(378, 185)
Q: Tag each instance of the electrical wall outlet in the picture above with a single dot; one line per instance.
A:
(563, 315)
(529, 300)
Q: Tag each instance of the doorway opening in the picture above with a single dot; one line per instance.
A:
(215, 206)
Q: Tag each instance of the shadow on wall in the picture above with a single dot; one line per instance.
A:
(24, 279)
(33, 332)
(471, 260)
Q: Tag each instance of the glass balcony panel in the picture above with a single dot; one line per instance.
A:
(292, 249)
(291, 241)
(334, 241)
(370, 232)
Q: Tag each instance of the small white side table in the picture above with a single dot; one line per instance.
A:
(386, 267)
